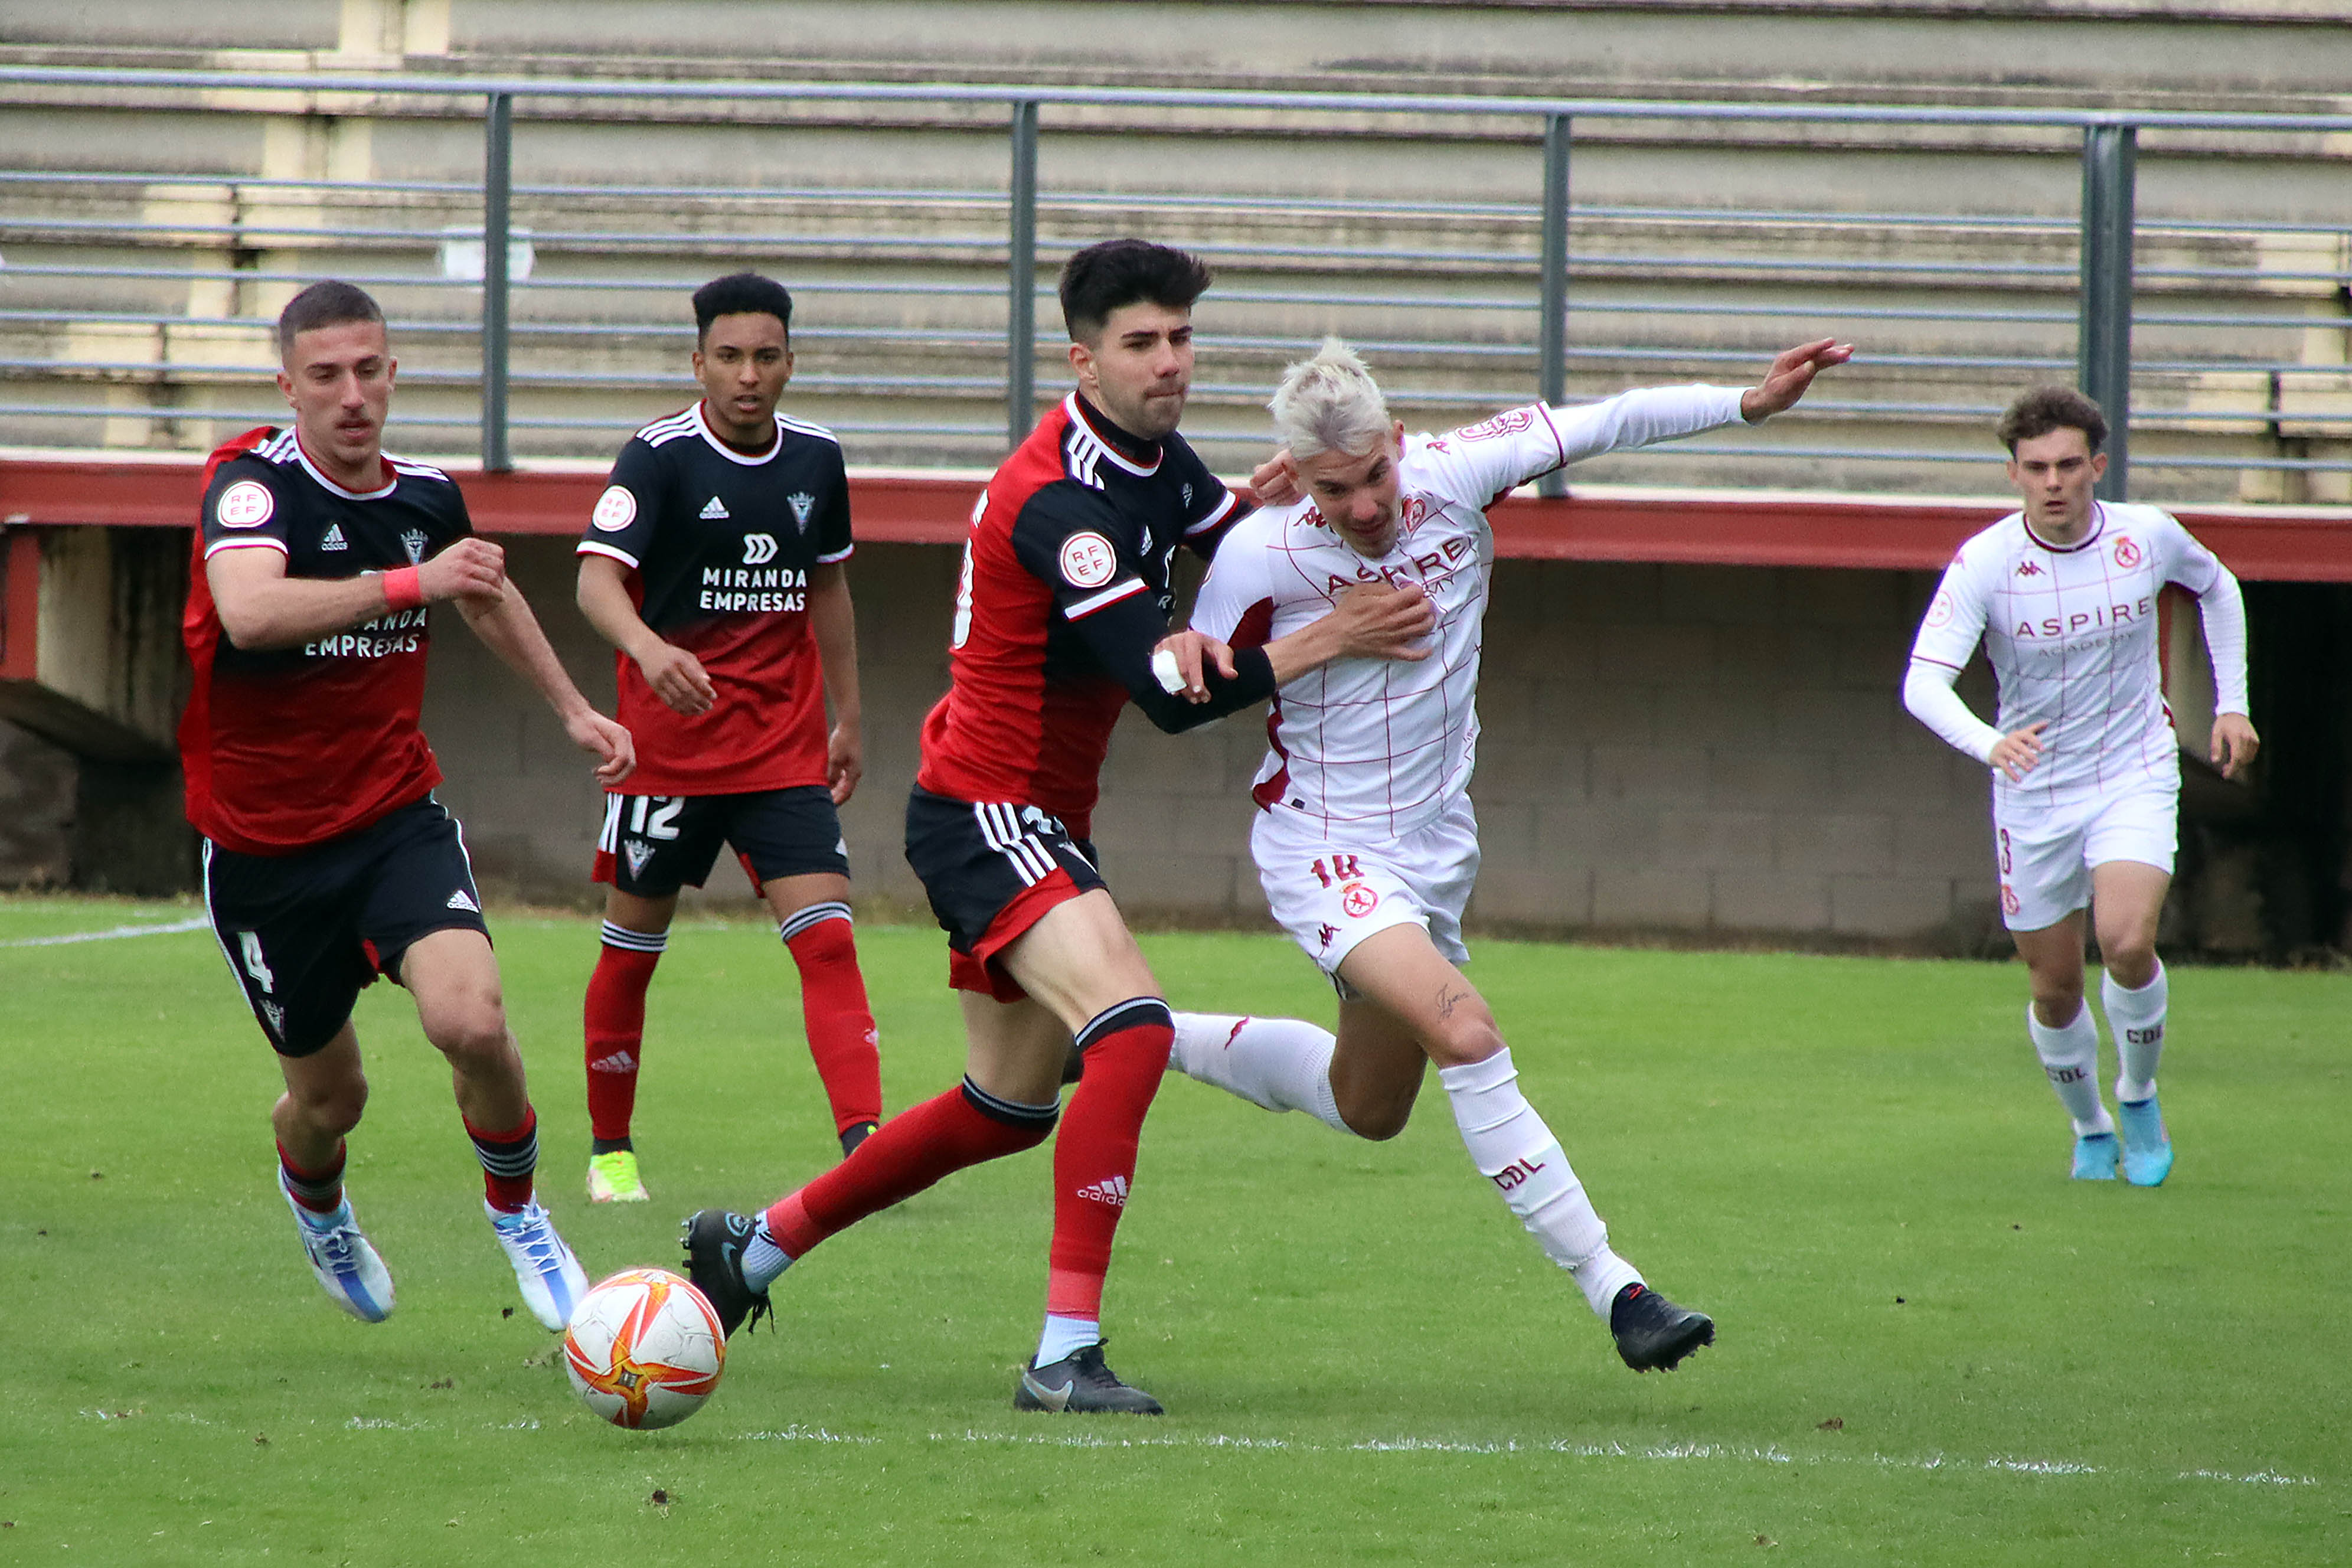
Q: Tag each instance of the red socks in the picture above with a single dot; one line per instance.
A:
(321, 1190)
(507, 1161)
(834, 1011)
(1094, 1160)
(615, 1020)
(905, 1154)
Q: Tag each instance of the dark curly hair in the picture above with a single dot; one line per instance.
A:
(2048, 408)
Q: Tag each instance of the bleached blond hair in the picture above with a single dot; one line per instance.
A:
(1329, 402)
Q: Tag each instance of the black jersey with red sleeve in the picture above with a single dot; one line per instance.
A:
(720, 544)
(286, 748)
(1065, 593)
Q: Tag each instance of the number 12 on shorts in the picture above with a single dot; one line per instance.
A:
(1343, 869)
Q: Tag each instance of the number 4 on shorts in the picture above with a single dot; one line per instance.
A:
(248, 942)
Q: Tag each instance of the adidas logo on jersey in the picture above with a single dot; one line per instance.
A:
(1112, 1190)
(462, 900)
(714, 510)
(277, 1017)
(334, 540)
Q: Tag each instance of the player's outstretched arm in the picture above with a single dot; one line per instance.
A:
(675, 676)
(261, 607)
(1792, 372)
(1372, 620)
(508, 629)
(833, 621)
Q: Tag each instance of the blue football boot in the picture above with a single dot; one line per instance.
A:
(2095, 1157)
(2148, 1148)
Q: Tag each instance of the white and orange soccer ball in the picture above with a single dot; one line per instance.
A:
(644, 1349)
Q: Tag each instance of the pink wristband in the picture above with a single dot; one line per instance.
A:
(402, 591)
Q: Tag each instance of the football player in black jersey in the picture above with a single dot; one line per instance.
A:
(327, 861)
(716, 563)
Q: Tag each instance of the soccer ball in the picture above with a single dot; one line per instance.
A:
(644, 1349)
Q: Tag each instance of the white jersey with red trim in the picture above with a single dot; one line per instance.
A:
(1383, 745)
(2071, 633)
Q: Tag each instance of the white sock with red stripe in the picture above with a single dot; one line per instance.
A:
(1281, 1064)
(1513, 1148)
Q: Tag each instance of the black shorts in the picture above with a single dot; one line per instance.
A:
(653, 845)
(991, 871)
(306, 932)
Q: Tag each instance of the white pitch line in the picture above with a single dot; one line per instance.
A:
(196, 924)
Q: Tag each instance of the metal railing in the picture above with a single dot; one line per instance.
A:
(2103, 274)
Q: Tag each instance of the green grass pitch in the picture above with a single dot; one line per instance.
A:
(1934, 1348)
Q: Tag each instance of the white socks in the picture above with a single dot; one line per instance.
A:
(1066, 1337)
(2070, 1058)
(2137, 1020)
(1512, 1148)
(763, 1258)
(1282, 1064)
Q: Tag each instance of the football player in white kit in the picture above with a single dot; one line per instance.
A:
(1365, 841)
(2085, 766)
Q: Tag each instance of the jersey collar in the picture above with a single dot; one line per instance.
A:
(730, 453)
(2090, 536)
(1128, 451)
(389, 484)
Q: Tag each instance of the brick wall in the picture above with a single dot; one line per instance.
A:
(1686, 750)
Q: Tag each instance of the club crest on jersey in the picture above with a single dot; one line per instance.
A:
(1187, 493)
(414, 542)
(334, 540)
(1087, 560)
(636, 853)
(1940, 613)
(714, 510)
(277, 1017)
(616, 510)
(2126, 552)
(244, 504)
(801, 504)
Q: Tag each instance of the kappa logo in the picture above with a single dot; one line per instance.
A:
(759, 549)
(714, 510)
(2126, 552)
(414, 542)
(1324, 933)
(462, 900)
(636, 852)
(619, 1061)
(1110, 1190)
(334, 540)
(801, 504)
(2028, 569)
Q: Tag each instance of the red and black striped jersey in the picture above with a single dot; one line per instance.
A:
(1064, 591)
(285, 748)
(720, 544)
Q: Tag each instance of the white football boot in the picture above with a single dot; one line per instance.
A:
(341, 1255)
(551, 1279)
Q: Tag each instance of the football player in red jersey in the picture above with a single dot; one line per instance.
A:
(716, 563)
(1061, 617)
(327, 861)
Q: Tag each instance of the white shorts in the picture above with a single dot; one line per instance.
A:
(1331, 889)
(2044, 852)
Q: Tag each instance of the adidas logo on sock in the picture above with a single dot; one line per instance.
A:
(1112, 1190)
(334, 540)
(714, 510)
(619, 1061)
(462, 900)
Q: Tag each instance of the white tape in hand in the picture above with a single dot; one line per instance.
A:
(1164, 670)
